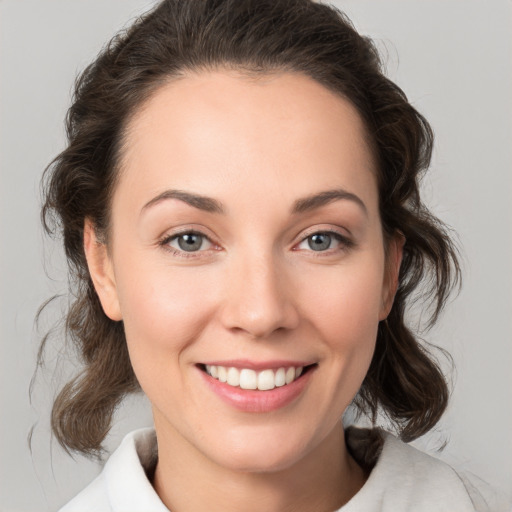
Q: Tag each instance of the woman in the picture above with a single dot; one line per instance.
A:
(240, 209)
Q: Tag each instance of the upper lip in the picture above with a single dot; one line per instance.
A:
(258, 365)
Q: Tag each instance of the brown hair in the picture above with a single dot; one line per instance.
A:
(253, 36)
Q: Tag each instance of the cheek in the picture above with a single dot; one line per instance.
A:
(345, 310)
(342, 308)
(346, 304)
(161, 312)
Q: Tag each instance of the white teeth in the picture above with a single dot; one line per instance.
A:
(280, 377)
(222, 373)
(233, 377)
(250, 379)
(266, 380)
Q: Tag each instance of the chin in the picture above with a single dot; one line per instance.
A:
(261, 451)
(262, 462)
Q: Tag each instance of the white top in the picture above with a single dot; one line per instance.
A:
(403, 479)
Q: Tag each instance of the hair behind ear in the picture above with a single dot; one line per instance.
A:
(403, 381)
(82, 412)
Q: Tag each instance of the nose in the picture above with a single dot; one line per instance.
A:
(258, 299)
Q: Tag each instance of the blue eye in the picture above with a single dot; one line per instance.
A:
(319, 241)
(188, 242)
(323, 241)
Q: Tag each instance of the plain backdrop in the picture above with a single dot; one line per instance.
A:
(454, 61)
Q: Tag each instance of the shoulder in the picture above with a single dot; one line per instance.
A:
(123, 486)
(404, 478)
(93, 497)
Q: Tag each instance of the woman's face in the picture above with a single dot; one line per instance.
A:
(246, 242)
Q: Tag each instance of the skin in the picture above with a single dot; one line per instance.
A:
(255, 290)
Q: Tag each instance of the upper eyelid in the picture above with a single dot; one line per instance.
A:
(304, 235)
(186, 231)
(345, 237)
(315, 231)
(342, 239)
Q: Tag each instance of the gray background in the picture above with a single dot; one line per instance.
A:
(453, 59)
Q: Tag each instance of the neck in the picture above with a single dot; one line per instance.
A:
(323, 480)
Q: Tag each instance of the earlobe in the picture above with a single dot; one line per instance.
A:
(393, 262)
(101, 271)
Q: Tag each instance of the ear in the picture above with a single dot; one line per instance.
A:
(394, 254)
(101, 271)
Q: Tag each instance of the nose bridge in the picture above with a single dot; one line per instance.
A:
(257, 297)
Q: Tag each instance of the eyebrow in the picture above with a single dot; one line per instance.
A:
(210, 205)
(328, 196)
(204, 203)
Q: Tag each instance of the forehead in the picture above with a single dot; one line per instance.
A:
(219, 132)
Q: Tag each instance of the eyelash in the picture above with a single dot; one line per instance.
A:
(345, 242)
(164, 243)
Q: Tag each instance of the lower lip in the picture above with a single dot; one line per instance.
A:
(249, 400)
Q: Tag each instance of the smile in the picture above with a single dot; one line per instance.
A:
(246, 378)
(257, 387)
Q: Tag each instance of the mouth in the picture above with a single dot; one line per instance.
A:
(249, 379)
(257, 387)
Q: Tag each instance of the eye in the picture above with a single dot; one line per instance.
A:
(319, 241)
(323, 241)
(190, 241)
